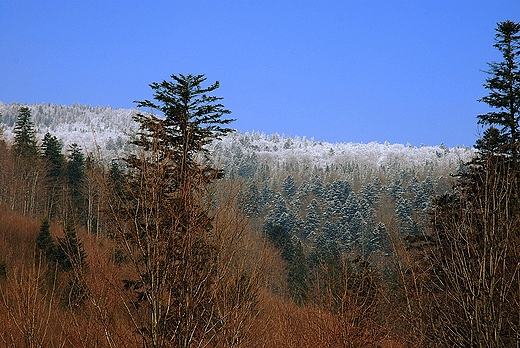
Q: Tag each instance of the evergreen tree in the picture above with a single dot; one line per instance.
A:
(404, 210)
(2, 127)
(193, 119)
(55, 175)
(25, 139)
(291, 251)
(289, 186)
(76, 179)
(116, 176)
(251, 201)
(51, 152)
(280, 215)
(313, 219)
(472, 253)
(162, 214)
(75, 167)
(70, 253)
(71, 257)
(298, 273)
(504, 94)
(44, 241)
(351, 207)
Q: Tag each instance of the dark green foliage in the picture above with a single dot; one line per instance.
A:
(75, 168)
(70, 254)
(247, 166)
(192, 119)
(76, 179)
(161, 216)
(2, 126)
(54, 161)
(3, 270)
(51, 153)
(251, 201)
(298, 273)
(504, 93)
(313, 218)
(396, 190)
(291, 251)
(404, 210)
(45, 243)
(280, 215)
(473, 249)
(116, 175)
(25, 139)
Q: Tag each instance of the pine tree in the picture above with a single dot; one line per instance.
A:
(71, 256)
(54, 160)
(289, 186)
(161, 213)
(298, 273)
(76, 179)
(51, 152)
(192, 119)
(25, 137)
(472, 252)
(70, 252)
(504, 94)
(313, 218)
(44, 241)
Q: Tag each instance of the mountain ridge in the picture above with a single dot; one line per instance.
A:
(105, 131)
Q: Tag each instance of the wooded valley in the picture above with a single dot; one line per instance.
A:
(184, 233)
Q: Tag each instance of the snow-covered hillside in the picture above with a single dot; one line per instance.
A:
(283, 151)
(100, 130)
(104, 131)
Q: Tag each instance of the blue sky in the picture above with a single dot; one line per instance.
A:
(340, 71)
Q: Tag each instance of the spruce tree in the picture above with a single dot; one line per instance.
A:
(161, 212)
(289, 186)
(70, 252)
(472, 252)
(51, 152)
(503, 85)
(54, 161)
(44, 241)
(25, 139)
(76, 179)
(192, 119)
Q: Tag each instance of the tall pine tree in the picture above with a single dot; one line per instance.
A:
(25, 137)
(503, 85)
(161, 214)
(473, 249)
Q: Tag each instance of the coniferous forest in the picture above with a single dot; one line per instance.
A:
(164, 227)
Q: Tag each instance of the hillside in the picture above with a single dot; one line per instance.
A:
(104, 130)
(287, 180)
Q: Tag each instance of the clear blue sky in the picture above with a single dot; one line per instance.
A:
(341, 71)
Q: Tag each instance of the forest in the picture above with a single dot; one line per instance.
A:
(164, 227)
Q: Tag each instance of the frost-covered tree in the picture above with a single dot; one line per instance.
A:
(313, 218)
(351, 207)
(289, 186)
(251, 200)
(280, 215)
